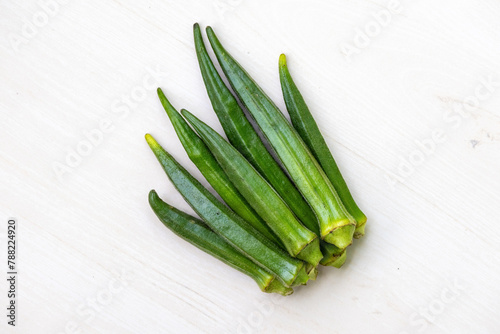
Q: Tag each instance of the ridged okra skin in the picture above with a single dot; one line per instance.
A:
(244, 138)
(298, 240)
(222, 220)
(197, 233)
(206, 163)
(336, 224)
(308, 130)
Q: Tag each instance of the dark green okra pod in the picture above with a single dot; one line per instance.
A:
(308, 130)
(201, 156)
(298, 240)
(336, 224)
(244, 138)
(197, 233)
(222, 220)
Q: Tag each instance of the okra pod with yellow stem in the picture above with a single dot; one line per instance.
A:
(298, 240)
(225, 222)
(336, 224)
(308, 130)
(244, 138)
(200, 155)
(197, 233)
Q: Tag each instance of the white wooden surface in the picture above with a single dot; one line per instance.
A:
(93, 258)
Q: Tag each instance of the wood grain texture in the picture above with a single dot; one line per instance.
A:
(92, 254)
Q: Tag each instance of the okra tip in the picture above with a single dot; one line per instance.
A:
(151, 141)
(187, 115)
(282, 61)
(162, 97)
(211, 34)
(153, 196)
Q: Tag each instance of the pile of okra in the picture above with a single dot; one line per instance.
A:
(281, 218)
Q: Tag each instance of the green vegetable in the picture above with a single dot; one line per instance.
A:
(336, 224)
(307, 128)
(223, 221)
(200, 235)
(245, 139)
(200, 155)
(333, 256)
(298, 240)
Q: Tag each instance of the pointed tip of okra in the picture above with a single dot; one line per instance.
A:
(151, 141)
(194, 121)
(214, 41)
(282, 61)
(187, 115)
(341, 236)
(153, 196)
(160, 93)
(162, 96)
(196, 31)
(198, 40)
(169, 108)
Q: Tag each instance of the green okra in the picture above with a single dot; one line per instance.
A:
(200, 235)
(308, 130)
(244, 138)
(297, 239)
(336, 224)
(223, 221)
(201, 156)
(332, 255)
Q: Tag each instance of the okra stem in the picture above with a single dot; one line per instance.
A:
(201, 156)
(298, 240)
(308, 130)
(245, 139)
(332, 255)
(222, 220)
(200, 235)
(336, 224)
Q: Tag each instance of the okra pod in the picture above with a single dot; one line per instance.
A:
(223, 221)
(332, 255)
(336, 224)
(197, 233)
(244, 138)
(298, 240)
(308, 130)
(201, 156)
